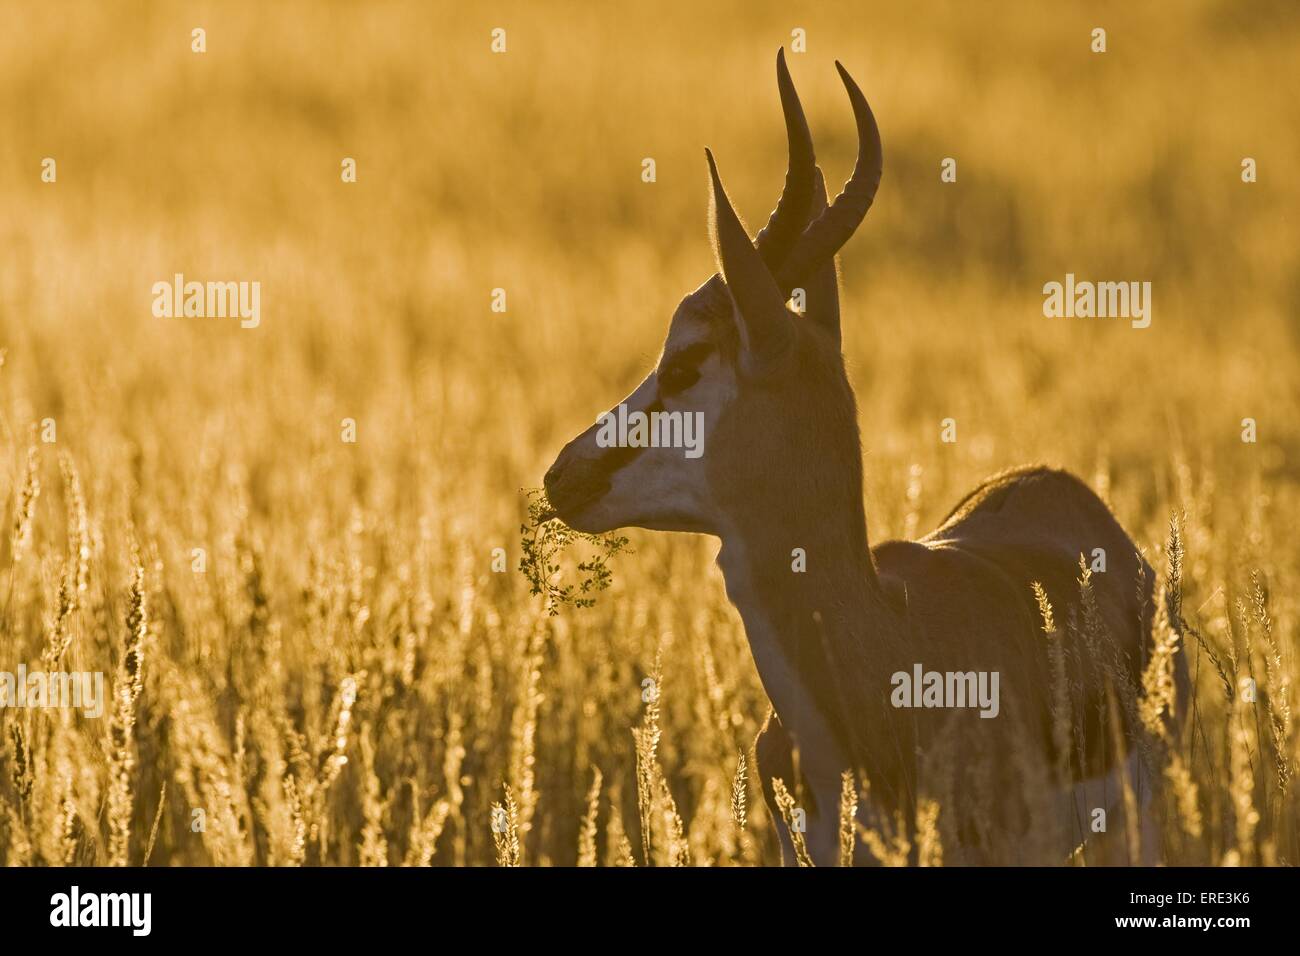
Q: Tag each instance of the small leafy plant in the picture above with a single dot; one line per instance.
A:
(543, 537)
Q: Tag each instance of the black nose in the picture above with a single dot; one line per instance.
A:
(574, 481)
(554, 480)
(552, 476)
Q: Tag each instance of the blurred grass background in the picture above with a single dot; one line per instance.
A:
(522, 171)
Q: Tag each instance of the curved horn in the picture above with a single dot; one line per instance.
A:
(822, 291)
(766, 327)
(829, 231)
(792, 210)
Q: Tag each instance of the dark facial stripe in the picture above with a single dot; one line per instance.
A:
(620, 456)
(688, 357)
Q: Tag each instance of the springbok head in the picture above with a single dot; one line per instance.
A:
(765, 381)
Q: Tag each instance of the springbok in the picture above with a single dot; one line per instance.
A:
(782, 470)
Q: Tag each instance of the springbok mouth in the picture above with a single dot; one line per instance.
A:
(567, 500)
(565, 512)
(577, 517)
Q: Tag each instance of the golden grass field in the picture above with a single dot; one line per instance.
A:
(349, 681)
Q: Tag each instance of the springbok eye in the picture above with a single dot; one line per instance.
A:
(677, 378)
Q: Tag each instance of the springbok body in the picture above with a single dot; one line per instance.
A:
(781, 470)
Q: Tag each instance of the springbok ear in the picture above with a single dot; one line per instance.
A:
(822, 293)
(766, 328)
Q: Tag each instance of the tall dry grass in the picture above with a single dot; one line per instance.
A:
(348, 681)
